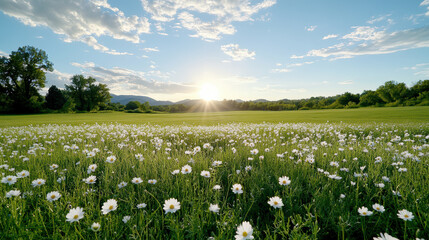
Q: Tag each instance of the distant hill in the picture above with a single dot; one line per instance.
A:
(260, 100)
(185, 101)
(124, 99)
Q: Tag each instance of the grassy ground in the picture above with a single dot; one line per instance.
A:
(334, 169)
(360, 115)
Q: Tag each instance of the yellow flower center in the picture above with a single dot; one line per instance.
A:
(237, 189)
(23, 174)
(95, 227)
(275, 203)
(186, 170)
(406, 216)
(9, 179)
(111, 207)
(364, 213)
(284, 181)
(171, 206)
(91, 180)
(39, 182)
(76, 216)
(244, 234)
(52, 196)
(378, 208)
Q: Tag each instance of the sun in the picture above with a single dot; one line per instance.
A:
(209, 92)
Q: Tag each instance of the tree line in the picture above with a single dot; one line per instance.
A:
(23, 74)
(390, 94)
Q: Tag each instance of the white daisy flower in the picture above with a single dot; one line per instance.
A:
(171, 205)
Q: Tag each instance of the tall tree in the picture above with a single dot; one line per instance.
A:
(54, 98)
(22, 74)
(348, 97)
(86, 94)
(132, 105)
(392, 91)
(420, 88)
(369, 98)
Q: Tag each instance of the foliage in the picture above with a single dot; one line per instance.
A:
(55, 99)
(369, 98)
(87, 95)
(22, 75)
(132, 105)
(391, 94)
(115, 107)
(392, 91)
(347, 97)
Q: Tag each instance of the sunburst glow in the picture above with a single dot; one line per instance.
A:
(209, 92)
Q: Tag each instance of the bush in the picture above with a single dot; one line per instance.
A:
(352, 105)
(393, 104)
(137, 111)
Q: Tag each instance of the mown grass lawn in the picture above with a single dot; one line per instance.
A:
(360, 115)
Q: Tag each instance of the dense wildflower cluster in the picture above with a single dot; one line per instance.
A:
(239, 181)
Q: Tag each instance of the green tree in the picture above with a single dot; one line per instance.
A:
(369, 98)
(22, 75)
(419, 88)
(145, 107)
(132, 105)
(55, 99)
(86, 95)
(392, 91)
(348, 97)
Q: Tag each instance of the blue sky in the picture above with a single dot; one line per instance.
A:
(243, 49)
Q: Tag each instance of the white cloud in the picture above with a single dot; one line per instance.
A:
(364, 33)
(289, 67)
(223, 14)
(379, 19)
(155, 49)
(126, 81)
(296, 57)
(3, 54)
(281, 70)
(347, 82)
(92, 42)
(425, 3)
(311, 28)
(237, 53)
(160, 29)
(330, 36)
(57, 78)
(78, 20)
(208, 31)
(376, 43)
(421, 70)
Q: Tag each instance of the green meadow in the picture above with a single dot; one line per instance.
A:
(360, 115)
(325, 174)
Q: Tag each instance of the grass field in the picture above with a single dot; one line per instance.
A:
(360, 115)
(352, 179)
